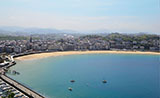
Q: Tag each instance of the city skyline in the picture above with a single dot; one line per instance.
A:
(128, 16)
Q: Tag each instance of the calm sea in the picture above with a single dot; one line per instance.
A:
(128, 76)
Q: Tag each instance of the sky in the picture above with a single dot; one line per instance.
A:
(128, 16)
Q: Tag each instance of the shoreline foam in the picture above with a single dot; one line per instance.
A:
(44, 55)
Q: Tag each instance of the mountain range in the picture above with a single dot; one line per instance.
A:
(28, 31)
(13, 30)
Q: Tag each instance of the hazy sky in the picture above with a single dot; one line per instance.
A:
(83, 15)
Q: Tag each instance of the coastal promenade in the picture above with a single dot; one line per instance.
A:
(28, 92)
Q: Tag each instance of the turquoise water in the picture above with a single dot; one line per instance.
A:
(128, 76)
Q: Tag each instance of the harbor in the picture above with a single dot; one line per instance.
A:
(8, 84)
(23, 89)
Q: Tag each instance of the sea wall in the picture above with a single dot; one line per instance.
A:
(25, 90)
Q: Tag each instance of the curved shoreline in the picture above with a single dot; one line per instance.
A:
(49, 54)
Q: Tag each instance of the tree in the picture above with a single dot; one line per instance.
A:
(8, 94)
(11, 95)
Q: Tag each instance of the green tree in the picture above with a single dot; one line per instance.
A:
(11, 95)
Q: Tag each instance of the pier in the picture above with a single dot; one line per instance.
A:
(25, 90)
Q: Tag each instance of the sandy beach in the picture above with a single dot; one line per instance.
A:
(44, 55)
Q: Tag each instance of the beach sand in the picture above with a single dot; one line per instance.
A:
(44, 55)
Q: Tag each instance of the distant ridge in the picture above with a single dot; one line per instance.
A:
(28, 30)
(10, 30)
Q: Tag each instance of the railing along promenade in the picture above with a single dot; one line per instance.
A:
(25, 90)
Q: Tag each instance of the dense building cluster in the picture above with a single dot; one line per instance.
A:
(113, 41)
